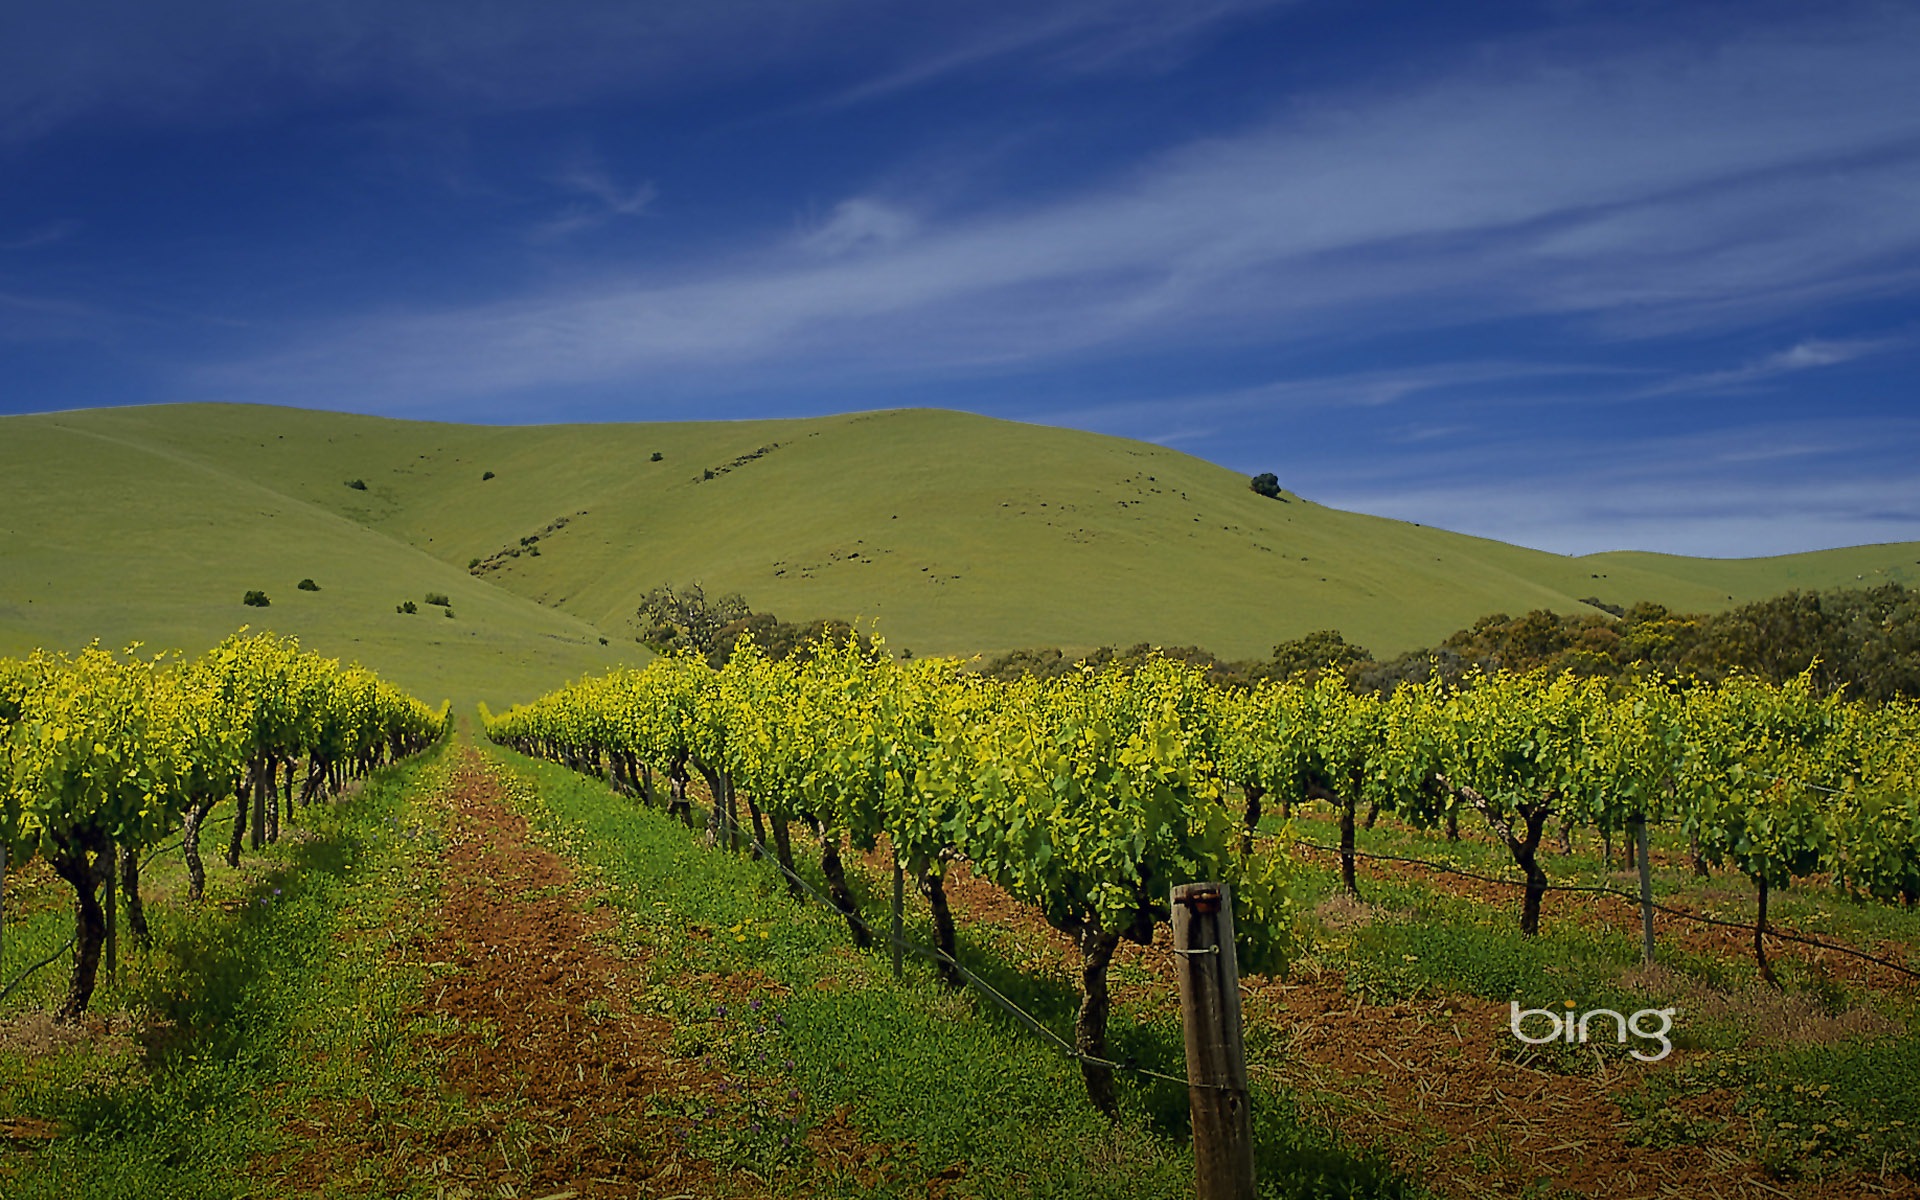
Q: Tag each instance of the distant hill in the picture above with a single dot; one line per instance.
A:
(959, 534)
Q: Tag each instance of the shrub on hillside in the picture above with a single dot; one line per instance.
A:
(406, 606)
(1267, 484)
(256, 599)
(486, 476)
(439, 598)
(308, 585)
(358, 485)
(657, 456)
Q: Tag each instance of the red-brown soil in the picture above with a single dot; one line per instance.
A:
(557, 1085)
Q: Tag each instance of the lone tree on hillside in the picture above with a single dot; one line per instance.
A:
(256, 599)
(1267, 484)
(670, 620)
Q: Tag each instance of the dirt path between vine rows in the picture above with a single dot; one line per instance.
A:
(558, 1087)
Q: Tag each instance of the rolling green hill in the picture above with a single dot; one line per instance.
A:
(956, 533)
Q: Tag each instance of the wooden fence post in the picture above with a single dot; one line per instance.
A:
(1216, 1059)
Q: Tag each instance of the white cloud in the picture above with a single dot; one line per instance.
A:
(1804, 356)
(1648, 192)
(604, 201)
(858, 224)
(1736, 492)
(1077, 36)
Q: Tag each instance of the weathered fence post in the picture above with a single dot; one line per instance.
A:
(1216, 1059)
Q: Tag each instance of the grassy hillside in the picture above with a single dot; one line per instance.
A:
(957, 533)
(110, 539)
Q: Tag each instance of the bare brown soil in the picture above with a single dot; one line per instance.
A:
(556, 1085)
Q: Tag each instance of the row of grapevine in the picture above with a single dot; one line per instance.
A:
(103, 756)
(1777, 782)
(1088, 796)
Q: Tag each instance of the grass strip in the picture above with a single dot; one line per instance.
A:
(271, 999)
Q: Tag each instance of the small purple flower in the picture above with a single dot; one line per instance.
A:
(721, 1010)
(276, 891)
(754, 1004)
(785, 1140)
(790, 1067)
(762, 1029)
(780, 1020)
(709, 1110)
(763, 1056)
(794, 1093)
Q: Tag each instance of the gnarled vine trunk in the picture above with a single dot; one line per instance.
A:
(677, 803)
(783, 850)
(136, 908)
(82, 865)
(1090, 1027)
(934, 887)
(190, 823)
(837, 889)
(1255, 793)
(1524, 845)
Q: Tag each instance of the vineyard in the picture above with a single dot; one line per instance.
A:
(1086, 798)
(108, 756)
(621, 952)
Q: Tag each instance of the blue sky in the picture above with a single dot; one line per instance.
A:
(1582, 276)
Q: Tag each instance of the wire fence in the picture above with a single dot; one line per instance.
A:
(935, 955)
(1770, 930)
(729, 824)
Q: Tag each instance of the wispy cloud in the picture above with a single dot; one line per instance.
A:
(599, 201)
(1803, 356)
(1649, 187)
(1081, 36)
(46, 235)
(1765, 488)
(1291, 398)
(223, 61)
(859, 224)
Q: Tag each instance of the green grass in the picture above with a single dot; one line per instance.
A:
(1806, 908)
(109, 538)
(958, 534)
(944, 1083)
(1801, 1109)
(256, 1008)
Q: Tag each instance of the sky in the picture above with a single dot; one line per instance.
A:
(1580, 276)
